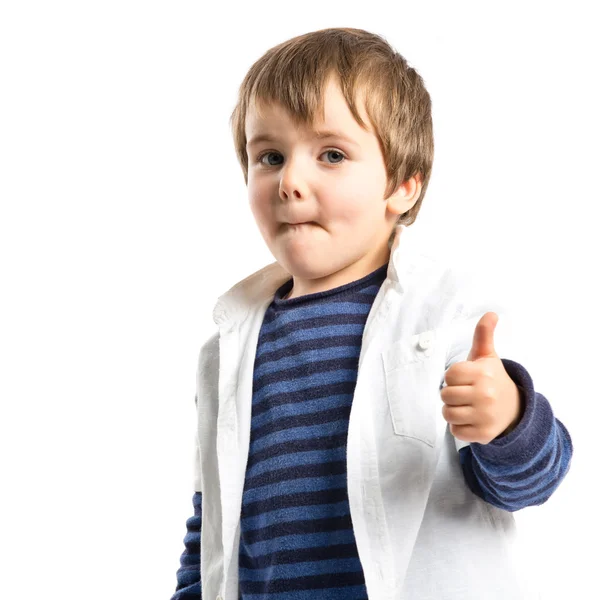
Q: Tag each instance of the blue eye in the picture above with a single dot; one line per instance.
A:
(334, 151)
(330, 151)
(259, 159)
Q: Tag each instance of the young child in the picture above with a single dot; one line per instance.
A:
(358, 434)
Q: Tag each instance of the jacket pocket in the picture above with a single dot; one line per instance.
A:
(412, 373)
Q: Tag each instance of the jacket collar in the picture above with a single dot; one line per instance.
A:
(257, 289)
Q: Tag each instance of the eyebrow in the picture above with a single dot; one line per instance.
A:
(320, 135)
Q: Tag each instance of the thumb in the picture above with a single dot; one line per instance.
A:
(483, 338)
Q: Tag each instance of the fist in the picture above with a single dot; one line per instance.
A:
(481, 401)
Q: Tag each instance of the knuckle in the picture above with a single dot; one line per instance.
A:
(489, 393)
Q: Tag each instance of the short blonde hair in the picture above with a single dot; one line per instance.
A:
(294, 74)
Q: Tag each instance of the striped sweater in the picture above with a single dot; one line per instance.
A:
(296, 539)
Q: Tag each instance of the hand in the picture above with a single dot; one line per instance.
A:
(481, 401)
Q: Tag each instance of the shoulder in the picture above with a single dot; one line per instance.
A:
(437, 290)
(432, 276)
(456, 280)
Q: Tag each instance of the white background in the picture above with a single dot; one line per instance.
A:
(124, 215)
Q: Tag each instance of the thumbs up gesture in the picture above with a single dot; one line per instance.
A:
(481, 401)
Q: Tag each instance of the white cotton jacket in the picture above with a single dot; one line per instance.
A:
(421, 533)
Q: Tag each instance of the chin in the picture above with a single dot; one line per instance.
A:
(307, 268)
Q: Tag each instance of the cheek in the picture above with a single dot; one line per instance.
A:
(260, 206)
(348, 204)
(254, 196)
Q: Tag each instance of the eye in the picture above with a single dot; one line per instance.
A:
(261, 156)
(338, 152)
(328, 151)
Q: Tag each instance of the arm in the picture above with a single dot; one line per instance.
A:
(524, 466)
(188, 575)
(189, 585)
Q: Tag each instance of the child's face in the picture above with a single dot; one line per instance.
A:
(318, 203)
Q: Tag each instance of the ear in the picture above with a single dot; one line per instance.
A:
(406, 196)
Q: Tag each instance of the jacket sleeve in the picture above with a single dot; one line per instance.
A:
(189, 585)
(197, 461)
(524, 467)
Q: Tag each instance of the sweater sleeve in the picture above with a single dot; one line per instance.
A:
(188, 575)
(524, 467)
(189, 585)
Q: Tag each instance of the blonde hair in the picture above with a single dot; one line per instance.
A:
(294, 74)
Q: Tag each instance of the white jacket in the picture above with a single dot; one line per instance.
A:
(421, 533)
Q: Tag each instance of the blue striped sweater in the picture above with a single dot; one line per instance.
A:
(296, 539)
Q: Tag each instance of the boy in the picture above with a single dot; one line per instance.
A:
(358, 435)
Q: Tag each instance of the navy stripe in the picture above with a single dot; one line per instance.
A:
(287, 557)
(296, 446)
(321, 469)
(296, 527)
(314, 344)
(328, 496)
(320, 391)
(311, 322)
(317, 582)
(301, 420)
(307, 370)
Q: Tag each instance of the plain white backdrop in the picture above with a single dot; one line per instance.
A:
(124, 216)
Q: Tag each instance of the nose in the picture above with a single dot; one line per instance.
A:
(292, 183)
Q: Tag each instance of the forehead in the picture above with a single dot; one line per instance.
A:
(265, 120)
